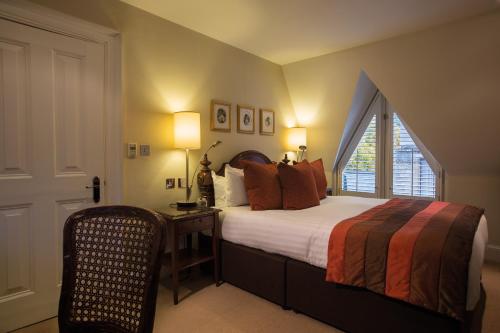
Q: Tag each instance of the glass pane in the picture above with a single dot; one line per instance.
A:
(359, 175)
(411, 174)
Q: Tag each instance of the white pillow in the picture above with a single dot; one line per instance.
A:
(236, 195)
(219, 190)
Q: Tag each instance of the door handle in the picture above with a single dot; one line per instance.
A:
(96, 186)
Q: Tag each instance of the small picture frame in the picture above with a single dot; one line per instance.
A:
(246, 119)
(266, 122)
(220, 116)
(170, 183)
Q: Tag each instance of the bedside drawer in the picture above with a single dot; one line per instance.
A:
(197, 224)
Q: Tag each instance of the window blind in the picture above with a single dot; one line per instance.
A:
(411, 173)
(359, 174)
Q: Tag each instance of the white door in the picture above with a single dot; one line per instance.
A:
(51, 147)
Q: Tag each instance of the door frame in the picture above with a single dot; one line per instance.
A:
(27, 13)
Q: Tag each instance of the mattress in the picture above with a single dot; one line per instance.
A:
(304, 234)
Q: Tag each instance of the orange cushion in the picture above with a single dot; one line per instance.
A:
(319, 175)
(298, 186)
(262, 185)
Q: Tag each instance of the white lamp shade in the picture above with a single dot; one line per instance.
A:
(297, 136)
(187, 130)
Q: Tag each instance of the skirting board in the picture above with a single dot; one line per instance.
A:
(493, 253)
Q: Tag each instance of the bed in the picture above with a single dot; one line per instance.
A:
(281, 256)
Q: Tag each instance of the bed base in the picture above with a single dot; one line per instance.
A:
(255, 271)
(301, 287)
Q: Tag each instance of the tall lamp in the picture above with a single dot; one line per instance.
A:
(187, 136)
(297, 141)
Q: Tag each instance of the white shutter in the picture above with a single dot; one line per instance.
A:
(384, 158)
(411, 173)
(359, 174)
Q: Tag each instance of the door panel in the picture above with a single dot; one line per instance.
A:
(51, 146)
(64, 209)
(14, 113)
(69, 141)
(16, 249)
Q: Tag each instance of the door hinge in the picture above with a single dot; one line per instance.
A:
(386, 116)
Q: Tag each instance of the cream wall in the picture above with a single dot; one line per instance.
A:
(169, 68)
(444, 82)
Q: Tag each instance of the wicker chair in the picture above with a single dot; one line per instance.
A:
(111, 270)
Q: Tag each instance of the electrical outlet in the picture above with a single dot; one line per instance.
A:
(144, 150)
(181, 182)
(170, 183)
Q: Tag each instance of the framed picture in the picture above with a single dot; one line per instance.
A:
(220, 116)
(170, 183)
(266, 122)
(246, 119)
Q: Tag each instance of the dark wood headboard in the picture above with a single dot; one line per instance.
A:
(248, 155)
(205, 182)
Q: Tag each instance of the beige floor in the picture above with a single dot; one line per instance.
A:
(205, 308)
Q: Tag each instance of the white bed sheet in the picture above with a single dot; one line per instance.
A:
(304, 234)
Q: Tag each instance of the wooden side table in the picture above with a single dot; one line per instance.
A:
(185, 222)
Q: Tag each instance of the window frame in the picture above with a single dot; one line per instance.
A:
(433, 163)
(384, 153)
(375, 109)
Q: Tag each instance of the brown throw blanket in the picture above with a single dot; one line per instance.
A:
(417, 251)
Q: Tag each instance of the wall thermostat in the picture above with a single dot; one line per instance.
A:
(131, 150)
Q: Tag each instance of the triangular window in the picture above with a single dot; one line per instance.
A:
(385, 159)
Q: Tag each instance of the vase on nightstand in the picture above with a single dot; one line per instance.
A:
(206, 183)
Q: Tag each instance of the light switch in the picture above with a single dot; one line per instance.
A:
(131, 150)
(144, 150)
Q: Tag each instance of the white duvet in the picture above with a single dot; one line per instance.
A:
(304, 234)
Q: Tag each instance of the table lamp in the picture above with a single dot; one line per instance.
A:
(187, 136)
(297, 140)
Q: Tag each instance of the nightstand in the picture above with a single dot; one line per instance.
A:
(186, 222)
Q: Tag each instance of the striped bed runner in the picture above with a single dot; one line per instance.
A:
(417, 251)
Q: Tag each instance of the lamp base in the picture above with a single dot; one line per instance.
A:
(186, 204)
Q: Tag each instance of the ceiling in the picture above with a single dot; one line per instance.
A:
(285, 31)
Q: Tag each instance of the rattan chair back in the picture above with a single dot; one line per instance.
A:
(111, 269)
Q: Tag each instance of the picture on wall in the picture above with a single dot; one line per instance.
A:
(266, 122)
(246, 119)
(220, 116)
